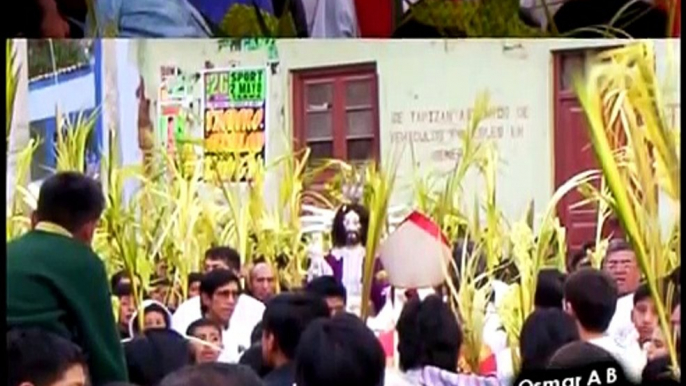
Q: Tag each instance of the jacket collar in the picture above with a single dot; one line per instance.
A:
(49, 227)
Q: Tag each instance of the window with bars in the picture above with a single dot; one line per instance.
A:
(336, 112)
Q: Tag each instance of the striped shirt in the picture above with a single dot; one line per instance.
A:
(433, 376)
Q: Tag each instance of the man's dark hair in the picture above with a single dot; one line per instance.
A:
(39, 357)
(428, 335)
(669, 295)
(549, 289)
(117, 278)
(70, 200)
(642, 293)
(123, 289)
(326, 287)
(339, 351)
(593, 297)
(154, 354)
(577, 258)
(581, 354)
(543, 333)
(203, 322)
(212, 374)
(287, 315)
(256, 334)
(252, 357)
(194, 277)
(228, 255)
(211, 281)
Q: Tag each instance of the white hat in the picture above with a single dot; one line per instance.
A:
(416, 254)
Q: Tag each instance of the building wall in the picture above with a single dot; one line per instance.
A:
(73, 91)
(425, 88)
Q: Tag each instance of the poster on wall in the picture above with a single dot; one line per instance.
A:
(176, 123)
(171, 124)
(234, 121)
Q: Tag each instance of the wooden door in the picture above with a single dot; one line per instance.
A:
(573, 151)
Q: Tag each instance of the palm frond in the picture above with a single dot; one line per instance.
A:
(11, 81)
(624, 83)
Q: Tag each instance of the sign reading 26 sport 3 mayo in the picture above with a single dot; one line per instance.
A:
(234, 123)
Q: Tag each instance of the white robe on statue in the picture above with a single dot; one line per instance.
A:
(236, 338)
(351, 274)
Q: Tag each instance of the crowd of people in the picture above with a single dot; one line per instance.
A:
(319, 19)
(241, 327)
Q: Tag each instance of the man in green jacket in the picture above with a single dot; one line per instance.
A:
(56, 282)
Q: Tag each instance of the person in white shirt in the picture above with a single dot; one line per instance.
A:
(248, 310)
(219, 296)
(620, 263)
(590, 297)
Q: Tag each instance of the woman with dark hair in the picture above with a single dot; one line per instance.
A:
(544, 332)
(549, 289)
(428, 335)
(429, 345)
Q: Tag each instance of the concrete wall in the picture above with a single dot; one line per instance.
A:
(417, 78)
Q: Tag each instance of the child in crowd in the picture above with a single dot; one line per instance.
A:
(207, 343)
(644, 315)
(126, 308)
(36, 357)
(194, 279)
(332, 291)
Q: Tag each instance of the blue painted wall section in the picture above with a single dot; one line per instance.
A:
(46, 129)
(63, 77)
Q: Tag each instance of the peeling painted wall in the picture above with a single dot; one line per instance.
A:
(425, 91)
